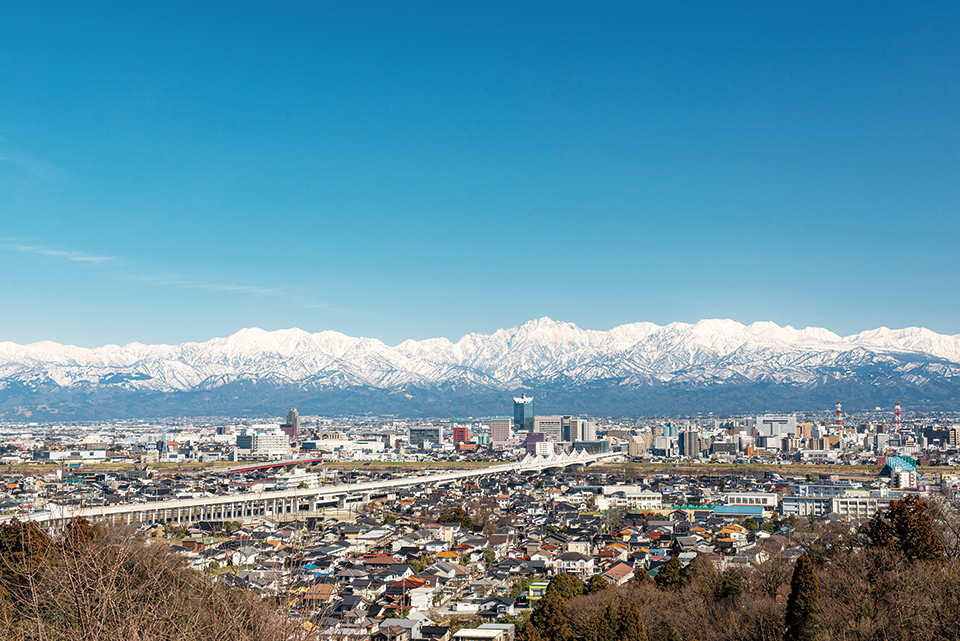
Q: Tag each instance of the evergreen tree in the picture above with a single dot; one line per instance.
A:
(701, 568)
(565, 586)
(608, 621)
(537, 617)
(674, 635)
(590, 628)
(641, 576)
(668, 577)
(905, 526)
(459, 515)
(529, 633)
(596, 584)
(731, 587)
(78, 534)
(804, 604)
(550, 620)
(630, 625)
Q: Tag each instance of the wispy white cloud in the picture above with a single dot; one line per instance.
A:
(77, 257)
(177, 281)
(158, 280)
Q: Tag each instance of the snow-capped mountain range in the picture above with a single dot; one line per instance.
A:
(710, 360)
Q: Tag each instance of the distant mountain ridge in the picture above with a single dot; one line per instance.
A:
(633, 369)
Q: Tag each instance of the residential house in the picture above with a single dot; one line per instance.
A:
(574, 563)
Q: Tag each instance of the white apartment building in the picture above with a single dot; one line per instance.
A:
(857, 507)
(853, 504)
(267, 445)
(803, 506)
(543, 448)
(629, 498)
(292, 480)
(768, 500)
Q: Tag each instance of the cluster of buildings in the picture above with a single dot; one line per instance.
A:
(401, 570)
(787, 439)
(753, 439)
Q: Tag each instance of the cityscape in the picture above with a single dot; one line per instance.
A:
(449, 321)
(375, 528)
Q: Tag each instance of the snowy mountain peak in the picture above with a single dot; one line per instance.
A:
(542, 351)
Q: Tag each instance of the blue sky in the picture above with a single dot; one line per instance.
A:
(174, 172)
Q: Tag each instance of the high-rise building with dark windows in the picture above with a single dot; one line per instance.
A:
(426, 434)
(523, 413)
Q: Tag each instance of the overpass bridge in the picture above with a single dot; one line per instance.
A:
(253, 466)
(281, 503)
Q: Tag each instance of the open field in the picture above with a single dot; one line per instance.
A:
(418, 465)
(790, 469)
(855, 472)
(46, 468)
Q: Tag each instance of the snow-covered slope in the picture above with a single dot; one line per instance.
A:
(540, 351)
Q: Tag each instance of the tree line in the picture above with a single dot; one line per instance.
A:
(891, 578)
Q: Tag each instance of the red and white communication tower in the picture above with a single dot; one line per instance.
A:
(896, 415)
(839, 415)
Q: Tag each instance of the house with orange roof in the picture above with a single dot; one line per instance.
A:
(618, 574)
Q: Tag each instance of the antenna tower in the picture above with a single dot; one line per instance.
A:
(896, 415)
(839, 415)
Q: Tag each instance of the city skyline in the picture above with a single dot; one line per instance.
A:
(175, 173)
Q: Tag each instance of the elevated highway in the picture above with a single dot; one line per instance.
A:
(279, 504)
(268, 465)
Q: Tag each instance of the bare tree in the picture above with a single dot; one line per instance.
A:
(95, 584)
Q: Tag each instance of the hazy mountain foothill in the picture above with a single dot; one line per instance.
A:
(718, 366)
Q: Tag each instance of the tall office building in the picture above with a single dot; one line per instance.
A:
(461, 434)
(292, 427)
(775, 425)
(640, 443)
(552, 426)
(690, 443)
(426, 434)
(499, 429)
(523, 413)
(261, 444)
(588, 430)
(575, 429)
